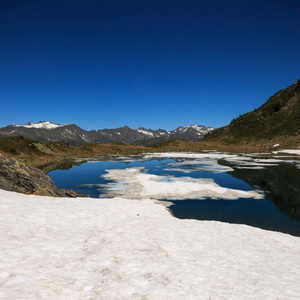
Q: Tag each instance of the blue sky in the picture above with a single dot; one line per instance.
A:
(151, 63)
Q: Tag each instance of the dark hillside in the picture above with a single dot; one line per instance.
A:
(277, 119)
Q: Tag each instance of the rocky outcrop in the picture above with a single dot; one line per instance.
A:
(19, 177)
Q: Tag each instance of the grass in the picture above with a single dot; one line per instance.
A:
(37, 154)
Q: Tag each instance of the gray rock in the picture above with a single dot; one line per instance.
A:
(19, 177)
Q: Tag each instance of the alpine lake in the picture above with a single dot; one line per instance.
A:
(260, 190)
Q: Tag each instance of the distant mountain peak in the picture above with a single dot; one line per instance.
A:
(41, 125)
(198, 128)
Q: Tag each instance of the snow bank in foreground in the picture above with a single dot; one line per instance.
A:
(56, 248)
(132, 183)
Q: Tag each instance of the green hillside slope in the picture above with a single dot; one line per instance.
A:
(276, 120)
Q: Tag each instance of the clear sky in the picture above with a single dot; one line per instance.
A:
(151, 63)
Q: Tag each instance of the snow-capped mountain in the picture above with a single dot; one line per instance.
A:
(45, 131)
(201, 130)
(41, 124)
(152, 133)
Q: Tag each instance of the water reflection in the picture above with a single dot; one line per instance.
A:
(281, 184)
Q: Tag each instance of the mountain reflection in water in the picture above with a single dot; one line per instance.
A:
(279, 211)
(281, 184)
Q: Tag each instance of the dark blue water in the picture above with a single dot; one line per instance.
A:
(257, 213)
(264, 213)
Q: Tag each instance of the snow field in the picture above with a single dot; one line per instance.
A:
(59, 248)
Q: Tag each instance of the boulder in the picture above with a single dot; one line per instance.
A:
(19, 177)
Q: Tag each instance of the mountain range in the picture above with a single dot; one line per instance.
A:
(276, 122)
(45, 131)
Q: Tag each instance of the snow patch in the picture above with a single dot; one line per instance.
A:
(134, 183)
(296, 152)
(209, 161)
(206, 165)
(41, 125)
(189, 155)
(248, 163)
(145, 132)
